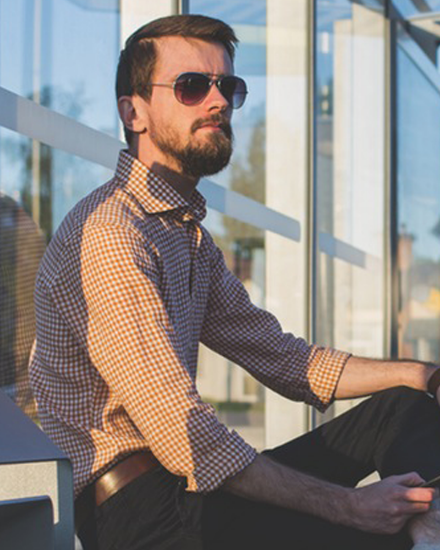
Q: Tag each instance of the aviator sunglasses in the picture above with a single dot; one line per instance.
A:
(192, 88)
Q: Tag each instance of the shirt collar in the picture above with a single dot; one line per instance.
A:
(154, 193)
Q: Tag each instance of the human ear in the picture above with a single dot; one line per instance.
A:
(129, 114)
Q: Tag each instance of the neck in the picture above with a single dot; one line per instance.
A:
(184, 185)
(181, 183)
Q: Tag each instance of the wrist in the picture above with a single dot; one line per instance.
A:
(349, 504)
(416, 374)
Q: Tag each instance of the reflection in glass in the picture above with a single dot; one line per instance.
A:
(350, 128)
(49, 52)
(238, 398)
(72, 179)
(408, 8)
(21, 249)
(418, 204)
(350, 169)
(47, 182)
(350, 175)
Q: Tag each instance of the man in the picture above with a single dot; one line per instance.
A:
(132, 282)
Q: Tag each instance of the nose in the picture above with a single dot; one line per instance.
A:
(216, 100)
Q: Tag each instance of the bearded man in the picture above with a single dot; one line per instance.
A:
(129, 286)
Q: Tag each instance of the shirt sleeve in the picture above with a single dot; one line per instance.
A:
(253, 338)
(132, 343)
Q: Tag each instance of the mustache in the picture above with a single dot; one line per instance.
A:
(218, 119)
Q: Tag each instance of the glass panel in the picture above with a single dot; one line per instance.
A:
(350, 310)
(238, 398)
(41, 61)
(350, 175)
(418, 103)
(71, 179)
(357, 321)
(45, 181)
(350, 124)
(286, 185)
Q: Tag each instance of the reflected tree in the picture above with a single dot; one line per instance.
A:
(38, 159)
(245, 242)
(248, 177)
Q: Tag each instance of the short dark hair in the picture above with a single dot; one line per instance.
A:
(138, 59)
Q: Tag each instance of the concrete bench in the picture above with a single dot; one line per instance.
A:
(35, 484)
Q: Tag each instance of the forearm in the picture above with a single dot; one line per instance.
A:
(366, 376)
(383, 507)
(268, 481)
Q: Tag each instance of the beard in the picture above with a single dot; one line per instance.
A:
(197, 160)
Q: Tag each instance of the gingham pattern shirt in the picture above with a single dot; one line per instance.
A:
(128, 287)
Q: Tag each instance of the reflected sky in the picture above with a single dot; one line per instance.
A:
(62, 54)
(418, 157)
(407, 8)
(234, 12)
(66, 51)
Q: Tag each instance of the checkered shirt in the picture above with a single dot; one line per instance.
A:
(128, 287)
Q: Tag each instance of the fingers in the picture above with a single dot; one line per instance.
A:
(415, 493)
(387, 505)
(411, 479)
(419, 494)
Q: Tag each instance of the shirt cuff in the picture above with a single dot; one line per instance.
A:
(325, 369)
(224, 461)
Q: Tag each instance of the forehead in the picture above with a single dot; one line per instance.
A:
(177, 54)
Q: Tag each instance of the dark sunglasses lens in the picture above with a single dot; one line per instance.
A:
(234, 90)
(191, 88)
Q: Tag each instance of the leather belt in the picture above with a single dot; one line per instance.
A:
(111, 482)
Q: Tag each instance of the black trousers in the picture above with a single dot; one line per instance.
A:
(394, 432)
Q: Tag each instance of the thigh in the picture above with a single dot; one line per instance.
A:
(154, 512)
(235, 523)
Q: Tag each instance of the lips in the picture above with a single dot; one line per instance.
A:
(208, 125)
(215, 123)
(212, 126)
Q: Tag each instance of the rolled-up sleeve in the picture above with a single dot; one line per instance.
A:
(133, 345)
(253, 338)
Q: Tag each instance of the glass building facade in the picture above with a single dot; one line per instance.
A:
(329, 212)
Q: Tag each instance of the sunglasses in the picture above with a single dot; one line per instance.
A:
(192, 88)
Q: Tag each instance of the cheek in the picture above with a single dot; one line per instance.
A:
(177, 126)
(172, 118)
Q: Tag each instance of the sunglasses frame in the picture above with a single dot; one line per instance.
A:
(217, 80)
